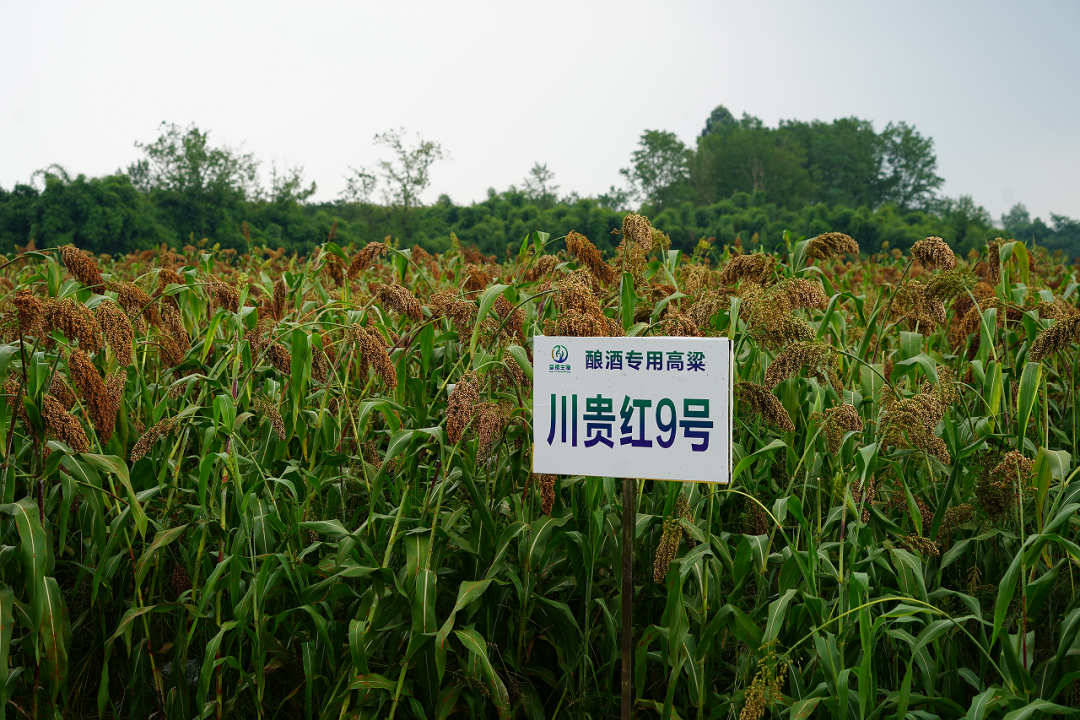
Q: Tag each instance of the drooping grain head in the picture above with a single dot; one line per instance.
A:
(819, 357)
(102, 402)
(774, 329)
(1056, 338)
(162, 427)
(180, 581)
(697, 279)
(830, 244)
(682, 512)
(1013, 469)
(365, 257)
(490, 421)
(993, 261)
(754, 697)
(280, 358)
(1057, 310)
(839, 420)
(667, 549)
(911, 303)
(75, 321)
(707, 306)
(798, 294)
(511, 319)
(954, 518)
(173, 325)
(631, 258)
(541, 268)
(30, 310)
(507, 375)
(864, 496)
(373, 352)
(910, 422)
(677, 324)
(919, 544)
(82, 266)
(320, 365)
(574, 292)
(756, 268)
(63, 426)
(114, 391)
(270, 411)
(547, 493)
(638, 230)
(259, 337)
(459, 409)
(280, 294)
(59, 390)
(762, 402)
(446, 303)
(950, 284)
(590, 257)
(945, 391)
(477, 278)
(399, 300)
(334, 268)
(169, 352)
(580, 313)
(767, 686)
(754, 520)
(420, 256)
(136, 303)
(661, 242)
(168, 276)
(934, 254)
(225, 296)
(117, 330)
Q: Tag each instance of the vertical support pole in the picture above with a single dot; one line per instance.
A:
(629, 520)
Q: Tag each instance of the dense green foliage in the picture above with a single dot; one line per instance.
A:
(741, 179)
(237, 486)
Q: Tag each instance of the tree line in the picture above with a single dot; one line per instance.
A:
(741, 181)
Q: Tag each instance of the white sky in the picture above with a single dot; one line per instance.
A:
(571, 84)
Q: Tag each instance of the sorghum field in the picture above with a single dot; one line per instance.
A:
(240, 486)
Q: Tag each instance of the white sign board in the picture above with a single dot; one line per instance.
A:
(656, 408)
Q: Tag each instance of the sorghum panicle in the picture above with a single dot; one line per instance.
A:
(82, 266)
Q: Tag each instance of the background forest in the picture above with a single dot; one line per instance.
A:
(742, 181)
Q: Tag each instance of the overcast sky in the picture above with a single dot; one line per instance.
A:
(572, 84)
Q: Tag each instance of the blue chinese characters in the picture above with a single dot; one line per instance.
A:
(641, 419)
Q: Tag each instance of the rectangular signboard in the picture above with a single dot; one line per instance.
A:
(657, 408)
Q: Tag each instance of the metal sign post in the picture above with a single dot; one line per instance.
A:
(629, 520)
(629, 408)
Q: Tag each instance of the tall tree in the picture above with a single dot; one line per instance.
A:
(969, 222)
(408, 174)
(200, 187)
(182, 160)
(749, 157)
(719, 119)
(539, 187)
(909, 172)
(287, 187)
(104, 215)
(1018, 217)
(844, 158)
(360, 184)
(659, 169)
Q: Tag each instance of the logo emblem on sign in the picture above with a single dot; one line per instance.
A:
(559, 354)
